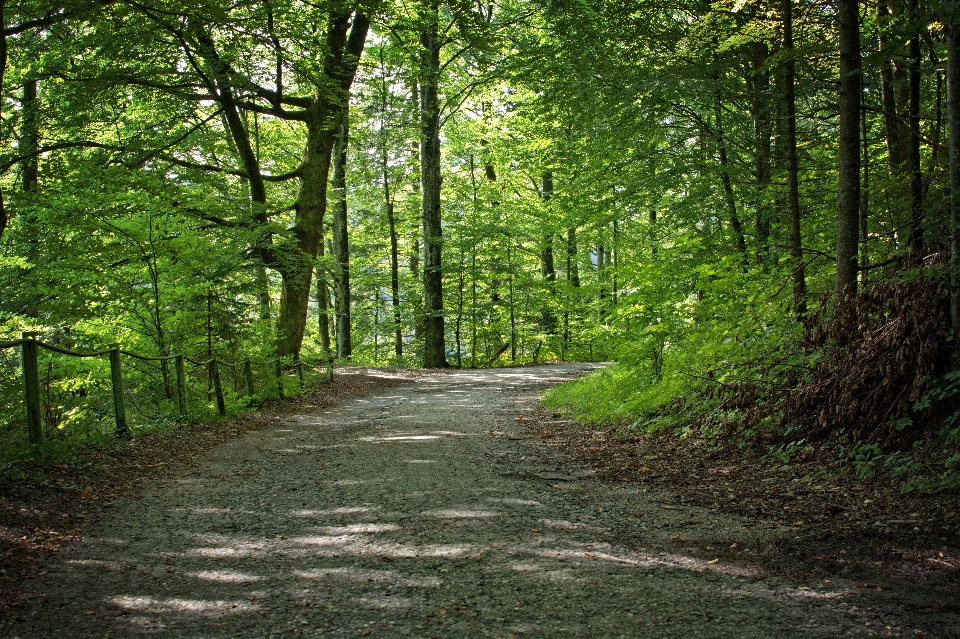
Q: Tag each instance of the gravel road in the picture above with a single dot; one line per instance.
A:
(428, 511)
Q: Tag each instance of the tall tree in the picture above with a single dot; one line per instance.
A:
(790, 144)
(848, 183)
(434, 348)
(341, 241)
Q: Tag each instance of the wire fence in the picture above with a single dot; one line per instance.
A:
(60, 393)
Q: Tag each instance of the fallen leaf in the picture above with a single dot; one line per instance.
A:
(441, 612)
(536, 530)
(365, 633)
(86, 494)
(589, 555)
(386, 559)
(714, 561)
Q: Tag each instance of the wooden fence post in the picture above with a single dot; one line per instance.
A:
(31, 387)
(181, 385)
(215, 374)
(330, 370)
(248, 373)
(117, 378)
(280, 379)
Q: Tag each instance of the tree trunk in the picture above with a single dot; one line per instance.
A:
(434, 349)
(294, 260)
(295, 257)
(916, 179)
(573, 272)
(30, 135)
(848, 183)
(896, 152)
(3, 71)
(394, 276)
(953, 109)
(864, 200)
(341, 240)
(735, 222)
(547, 268)
(323, 303)
(762, 137)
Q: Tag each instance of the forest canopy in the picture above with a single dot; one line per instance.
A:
(745, 205)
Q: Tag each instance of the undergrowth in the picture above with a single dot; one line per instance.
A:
(871, 383)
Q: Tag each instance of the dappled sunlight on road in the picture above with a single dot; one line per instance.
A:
(357, 534)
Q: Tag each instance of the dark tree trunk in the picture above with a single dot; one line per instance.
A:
(848, 184)
(547, 267)
(323, 303)
(864, 200)
(573, 272)
(916, 179)
(434, 348)
(394, 269)
(953, 109)
(893, 128)
(30, 136)
(341, 239)
(793, 186)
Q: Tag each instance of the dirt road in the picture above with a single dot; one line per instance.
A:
(428, 511)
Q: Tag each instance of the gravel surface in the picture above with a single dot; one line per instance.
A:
(428, 510)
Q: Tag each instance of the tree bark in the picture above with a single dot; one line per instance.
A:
(30, 135)
(848, 183)
(341, 238)
(295, 258)
(323, 303)
(547, 267)
(394, 267)
(434, 348)
(953, 109)
(793, 185)
(916, 179)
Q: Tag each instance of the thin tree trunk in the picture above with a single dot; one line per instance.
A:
(916, 178)
(30, 137)
(3, 71)
(547, 268)
(323, 303)
(513, 318)
(341, 239)
(864, 201)
(953, 110)
(896, 153)
(762, 136)
(848, 183)
(735, 223)
(392, 224)
(434, 350)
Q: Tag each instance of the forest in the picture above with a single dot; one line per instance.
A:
(744, 205)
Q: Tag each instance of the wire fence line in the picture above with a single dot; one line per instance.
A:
(30, 346)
